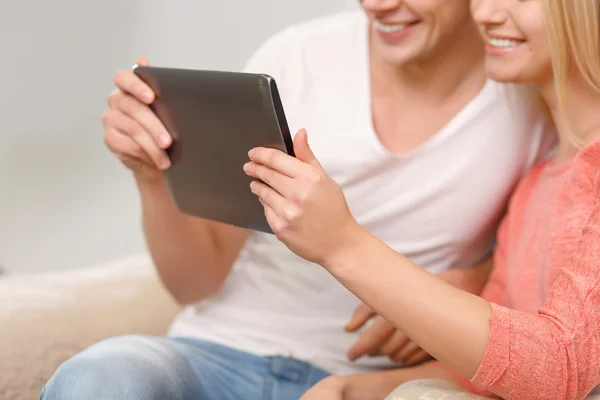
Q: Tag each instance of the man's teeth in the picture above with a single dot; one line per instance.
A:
(503, 43)
(388, 28)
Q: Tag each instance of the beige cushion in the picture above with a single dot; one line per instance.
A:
(431, 389)
(45, 319)
(437, 389)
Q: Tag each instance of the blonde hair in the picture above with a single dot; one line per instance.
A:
(573, 28)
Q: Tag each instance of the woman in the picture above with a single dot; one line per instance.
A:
(535, 332)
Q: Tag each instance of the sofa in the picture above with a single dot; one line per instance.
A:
(46, 318)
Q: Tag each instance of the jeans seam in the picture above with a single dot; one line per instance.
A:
(268, 387)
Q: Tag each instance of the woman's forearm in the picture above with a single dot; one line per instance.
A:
(448, 323)
(302, 204)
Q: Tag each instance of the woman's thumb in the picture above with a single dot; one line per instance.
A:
(303, 150)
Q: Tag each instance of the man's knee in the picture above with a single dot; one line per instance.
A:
(132, 367)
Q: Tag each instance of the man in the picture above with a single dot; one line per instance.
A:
(401, 116)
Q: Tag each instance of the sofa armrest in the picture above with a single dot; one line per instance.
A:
(47, 318)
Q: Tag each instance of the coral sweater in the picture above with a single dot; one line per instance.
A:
(545, 288)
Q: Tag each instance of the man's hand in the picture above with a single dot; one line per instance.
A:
(383, 339)
(131, 129)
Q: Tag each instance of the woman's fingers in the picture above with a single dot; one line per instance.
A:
(280, 162)
(281, 183)
(284, 210)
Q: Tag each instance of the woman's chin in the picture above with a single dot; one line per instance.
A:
(504, 76)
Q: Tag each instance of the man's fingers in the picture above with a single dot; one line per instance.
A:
(125, 147)
(416, 358)
(394, 344)
(372, 339)
(143, 62)
(127, 81)
(405, 352)
(362, 314)
(143, 115)
(131, 128)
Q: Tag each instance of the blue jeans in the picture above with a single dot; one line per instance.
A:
(148, 368)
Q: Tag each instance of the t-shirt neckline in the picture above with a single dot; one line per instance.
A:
(450, 129)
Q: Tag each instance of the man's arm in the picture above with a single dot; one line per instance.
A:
(193, 256)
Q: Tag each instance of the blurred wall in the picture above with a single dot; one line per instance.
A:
(64, 201)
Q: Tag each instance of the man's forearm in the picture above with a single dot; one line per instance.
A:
(188, 253)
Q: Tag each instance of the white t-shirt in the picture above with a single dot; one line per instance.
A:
(439, 205)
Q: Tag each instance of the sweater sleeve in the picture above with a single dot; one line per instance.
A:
(554, 354)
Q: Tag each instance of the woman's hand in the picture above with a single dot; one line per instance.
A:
(304, 206)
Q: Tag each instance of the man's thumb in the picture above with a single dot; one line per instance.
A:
(143, 62)
(302, 149)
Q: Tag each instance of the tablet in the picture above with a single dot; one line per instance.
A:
(215, 118)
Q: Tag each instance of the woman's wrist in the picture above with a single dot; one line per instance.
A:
(354, 242)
